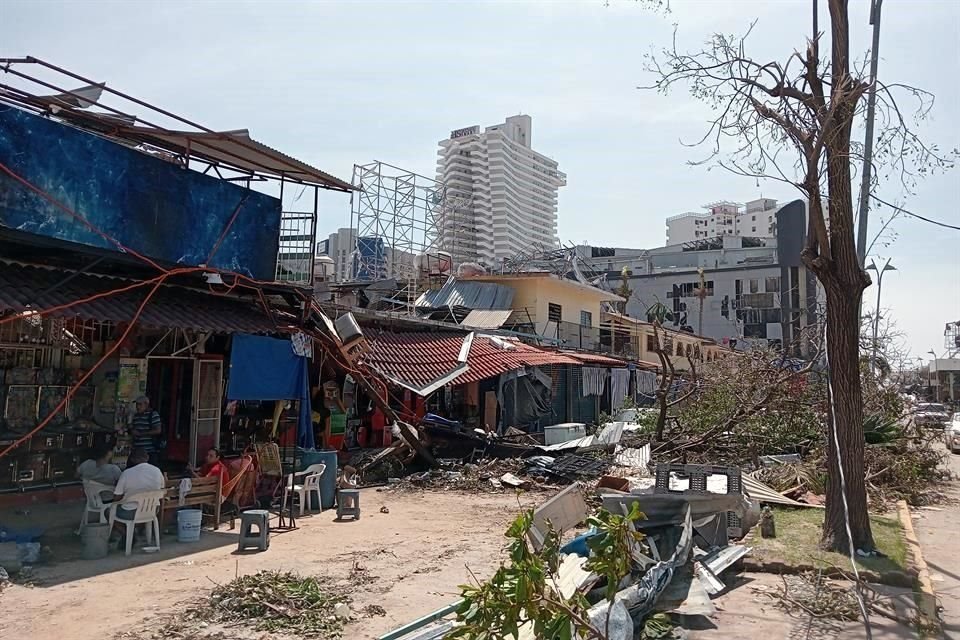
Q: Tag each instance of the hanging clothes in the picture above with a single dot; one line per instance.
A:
(646, 383)
(619, 387)
(594, 379)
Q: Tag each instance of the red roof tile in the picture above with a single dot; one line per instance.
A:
(420, 358)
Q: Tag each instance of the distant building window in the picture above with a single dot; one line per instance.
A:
(679, 351)
(651, 343)
(753, 218)
(754, 285)
(773, 285)
(554, 312)
(586, 319)
(753, 229)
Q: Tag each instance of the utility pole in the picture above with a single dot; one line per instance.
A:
(868, 141)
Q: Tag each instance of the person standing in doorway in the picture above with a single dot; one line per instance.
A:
(145, 429)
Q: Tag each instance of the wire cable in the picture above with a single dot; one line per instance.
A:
(76, 216)
(843, 487)
(70, 392)
(916, 215)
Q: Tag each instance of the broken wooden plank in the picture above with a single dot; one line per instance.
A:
(563, 511)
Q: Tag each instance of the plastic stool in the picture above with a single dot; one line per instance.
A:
(348, 503)
(259, 540)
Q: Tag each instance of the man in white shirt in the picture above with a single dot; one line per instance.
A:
(139, 477)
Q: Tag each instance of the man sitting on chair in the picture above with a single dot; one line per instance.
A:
(98, 468)
(140, 476)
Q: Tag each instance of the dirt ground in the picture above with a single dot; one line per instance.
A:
(415, 555)
(413, 558)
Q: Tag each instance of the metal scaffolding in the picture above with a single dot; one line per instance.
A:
(395, 217)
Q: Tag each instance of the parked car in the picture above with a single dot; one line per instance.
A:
(931, 414)
(953, 433)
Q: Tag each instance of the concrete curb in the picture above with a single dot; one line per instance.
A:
(901, 579)
(924, 594)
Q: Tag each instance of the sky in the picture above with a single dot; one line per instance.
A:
(343, 83)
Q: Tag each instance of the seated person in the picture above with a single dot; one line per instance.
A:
(214, 466)
(98, 468)
(138, 478)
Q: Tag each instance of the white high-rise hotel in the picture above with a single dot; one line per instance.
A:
(504, 193)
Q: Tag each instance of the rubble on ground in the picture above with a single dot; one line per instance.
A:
(677, 562)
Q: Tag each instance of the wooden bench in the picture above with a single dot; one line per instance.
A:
(205, 491)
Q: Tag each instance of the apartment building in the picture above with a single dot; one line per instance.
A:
(756, 291)
(504, 193)
(756, 219)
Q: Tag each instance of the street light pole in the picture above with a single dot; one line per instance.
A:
(868, 138)
(930, 375)
(876, 317)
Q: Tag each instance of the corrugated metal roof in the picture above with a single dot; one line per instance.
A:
(418, 359)
(487, 318)
(470, 295)
(595, 359)
(24, 288)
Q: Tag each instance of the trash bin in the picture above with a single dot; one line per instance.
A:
(328, 481)
(96, 540)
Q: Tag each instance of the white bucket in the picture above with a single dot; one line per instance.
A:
(188, 525)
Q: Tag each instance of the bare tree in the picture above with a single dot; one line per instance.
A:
(792, 121)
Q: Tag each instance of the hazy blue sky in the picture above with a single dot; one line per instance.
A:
(343, 83)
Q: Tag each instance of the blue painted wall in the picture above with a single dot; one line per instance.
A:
(150, 205)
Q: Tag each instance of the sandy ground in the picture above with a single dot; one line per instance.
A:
(937, 529)
(416, 555)
(413, 557)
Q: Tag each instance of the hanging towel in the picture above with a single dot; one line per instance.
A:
(619, 387)
(593, 380)
(185, 487)
(646, 383)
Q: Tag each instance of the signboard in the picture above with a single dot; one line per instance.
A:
(467, 131)
(150, 205)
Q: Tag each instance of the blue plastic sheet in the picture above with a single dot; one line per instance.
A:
(267, 369)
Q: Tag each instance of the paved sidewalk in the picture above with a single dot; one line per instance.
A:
(938, 529)
(743, 613)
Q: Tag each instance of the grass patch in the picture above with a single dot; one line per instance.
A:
(798, 542)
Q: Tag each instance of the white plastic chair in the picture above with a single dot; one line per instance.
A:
(311, 485)
(94, 502)
(148, 503)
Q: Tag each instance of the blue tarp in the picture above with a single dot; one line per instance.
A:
(267, 369)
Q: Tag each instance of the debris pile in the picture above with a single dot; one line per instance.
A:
(657, 550)
(485, 462)
(485, 476)
(274, 601)
(894, 471)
